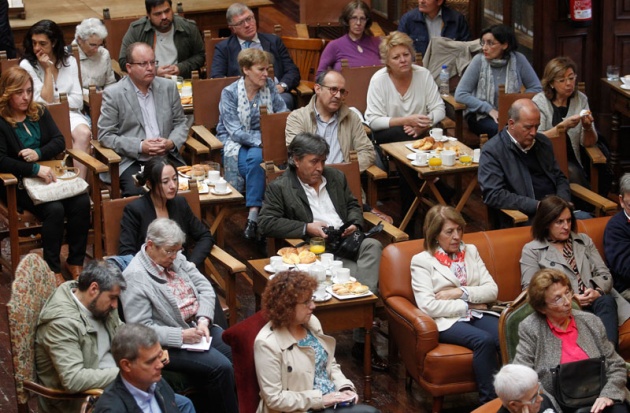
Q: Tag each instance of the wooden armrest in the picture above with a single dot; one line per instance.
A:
(595, 155)
(600, 203)
(109, 154)
(302, 30)
(450, 99)
(304, 89)
(293, 241)
(93, 164)
(207, 137)
(232, 264)
(118, 70)
(58, 394)
(517, 216)
(196, 146)
(376, 30)
(8, 179)
(395, 234)
(375, 173)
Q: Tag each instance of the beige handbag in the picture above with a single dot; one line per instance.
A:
(68, 184)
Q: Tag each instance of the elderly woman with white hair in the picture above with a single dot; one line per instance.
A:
(168, 293)
(520, 391)
(96, 64)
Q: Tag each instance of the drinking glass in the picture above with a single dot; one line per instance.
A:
(612, 72)
(435, 163)
(198, 173)
(317, 246)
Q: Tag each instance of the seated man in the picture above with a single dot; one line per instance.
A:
(617, 241)
(74, 330)
(517, 168)
(139, 385)
(169, 294)
(520, 391)
(433, 19)
(309, 197)
(141, 116)
(177, 42)
(242, 22)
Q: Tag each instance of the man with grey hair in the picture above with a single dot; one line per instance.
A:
(310, 197)
(169, 294)
(74, 330)
(242, 23)
(617, 241)
(520, 391)
(139, 386)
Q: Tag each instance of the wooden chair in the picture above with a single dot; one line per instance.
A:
(490, 407)
(112, 212)
(305, 54)
(210, 43)
(23, 228)
(357, 82)
(116, 30)
(33, 283)
(5, 62)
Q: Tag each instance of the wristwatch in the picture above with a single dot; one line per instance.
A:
(284, 86)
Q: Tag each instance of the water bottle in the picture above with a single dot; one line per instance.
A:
(444, 78)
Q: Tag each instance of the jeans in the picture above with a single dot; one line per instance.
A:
(605, 307)
(249, 160)
(485, 125)
(213, 372)
(481, 335)
(184, 404)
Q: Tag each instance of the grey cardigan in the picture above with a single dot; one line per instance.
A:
(541, 350)
(148, 300)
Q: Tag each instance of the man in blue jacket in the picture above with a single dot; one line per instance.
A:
(433, 19)
(617, 241)
(242, 22)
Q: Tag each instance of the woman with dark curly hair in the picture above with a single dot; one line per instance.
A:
(295, 362)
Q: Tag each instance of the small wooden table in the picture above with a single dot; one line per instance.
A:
(335, 315)
(216, 208)
(398, 152)
(620, 106)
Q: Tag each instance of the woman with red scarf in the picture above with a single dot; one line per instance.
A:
(451, 284)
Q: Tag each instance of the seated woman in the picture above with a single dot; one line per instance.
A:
(561, 104)
(358, 46)
(450, 282)
(520, 391)
(295, 361)
(403, 101)
(167, 293)
(239, 129)
(28, 134)
(96, 64)
(500, 64)
(556, 334)
(159, 176)
(54, 71)
(556, 244)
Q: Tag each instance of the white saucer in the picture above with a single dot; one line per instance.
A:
(209, 182)
(416, 163)
(625, 87)
(214, 192)
(327, 297)
(335, 281)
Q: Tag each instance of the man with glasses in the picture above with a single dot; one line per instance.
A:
(141, 116)
(177, 41)
(433, 19)
(520, 391)
(242, 23)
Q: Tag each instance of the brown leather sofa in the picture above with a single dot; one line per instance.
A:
(443, 369)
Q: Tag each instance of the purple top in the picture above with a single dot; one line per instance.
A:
(346, 48)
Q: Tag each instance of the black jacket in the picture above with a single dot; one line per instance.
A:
(117, 399)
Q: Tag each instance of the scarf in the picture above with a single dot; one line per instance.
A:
(569, 257)
(454, 261)
(487, 90)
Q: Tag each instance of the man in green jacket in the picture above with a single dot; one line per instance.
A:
(177, 42)
(74, 333)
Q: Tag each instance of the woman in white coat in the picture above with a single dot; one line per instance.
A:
(451, 284)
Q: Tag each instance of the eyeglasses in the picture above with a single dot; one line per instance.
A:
(247, 20)
(358, 19)
(308, 302)
(334, 90)
(144, 65)
(534, 400)
(559, 301)
(488, 43)
(566, 79)
(171, 253)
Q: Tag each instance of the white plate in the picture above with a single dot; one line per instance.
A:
(335, 281)
(415, 163)
(349, 296)
(214, 192)
(626, 87)
(270, 269)
(183, 175)
(203, 187)
(327, 297)
(411, 148)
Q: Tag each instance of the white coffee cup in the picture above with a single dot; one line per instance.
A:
(276, 263)
(318, 272)
(626, 80)
(421, 158)
(214, 176)
(326, 259)
(448, 158)
(335, 265)
(343, 275)
(220, 186)
(476, 155)
(436, 133)
(186, 91)
(320, 292)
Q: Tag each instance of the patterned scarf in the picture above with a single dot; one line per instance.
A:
(569, 257)
(454, 261)
(486, 89)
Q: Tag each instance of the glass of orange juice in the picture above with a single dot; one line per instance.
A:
(465, 158)
(318, 246)
(435, 162)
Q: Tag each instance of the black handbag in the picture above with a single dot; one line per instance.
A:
(579, 383)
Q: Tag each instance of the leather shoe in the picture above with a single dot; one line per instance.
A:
(74, 270)
(250, 230)
(378, 363)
